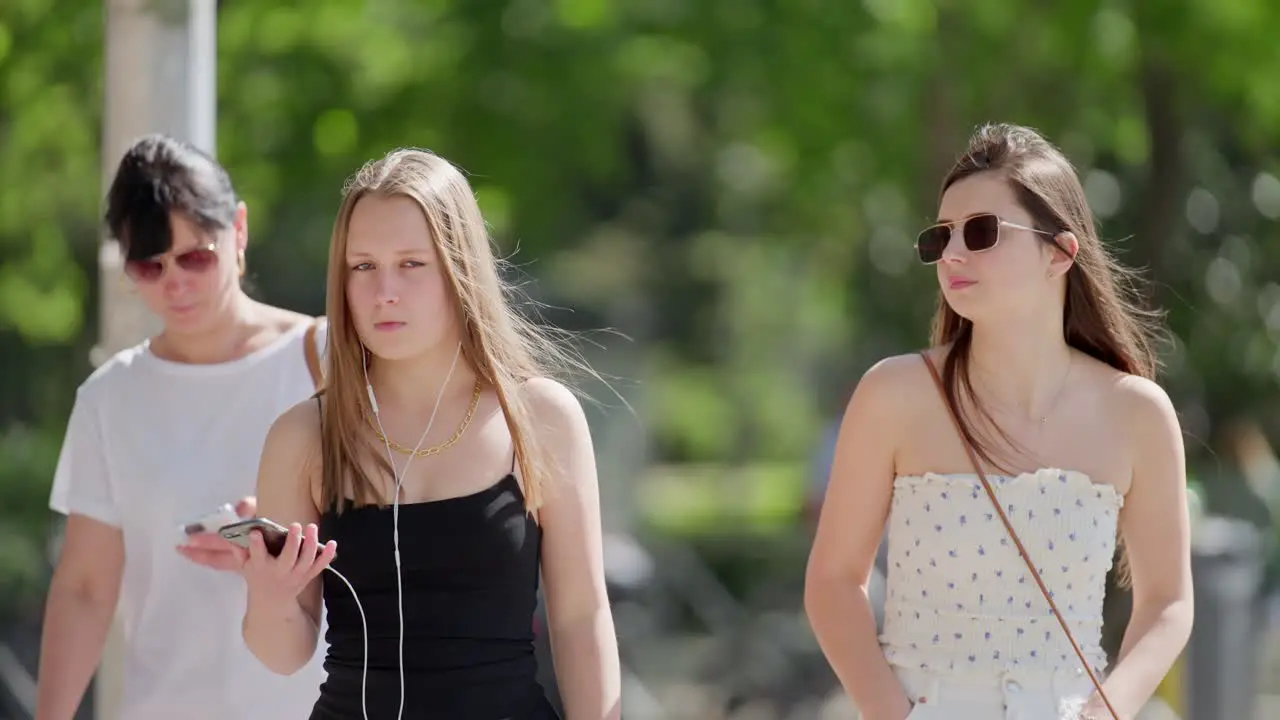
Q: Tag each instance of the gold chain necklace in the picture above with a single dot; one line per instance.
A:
(424, 452)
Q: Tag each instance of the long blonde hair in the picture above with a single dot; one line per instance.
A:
(504, 348)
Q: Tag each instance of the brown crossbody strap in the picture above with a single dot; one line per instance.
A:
(1035, 574)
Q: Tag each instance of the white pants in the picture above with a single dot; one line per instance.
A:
(1009, 695)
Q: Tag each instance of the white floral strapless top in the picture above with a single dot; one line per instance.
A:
(960, 597)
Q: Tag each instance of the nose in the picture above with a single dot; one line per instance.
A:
(388, 291)
(955, 250)
(172, 277)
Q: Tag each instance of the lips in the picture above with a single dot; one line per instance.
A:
(959, 283)
(388, 325)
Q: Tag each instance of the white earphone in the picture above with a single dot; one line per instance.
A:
(399, 476)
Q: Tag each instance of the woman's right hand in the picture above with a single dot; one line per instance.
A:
(282, 578)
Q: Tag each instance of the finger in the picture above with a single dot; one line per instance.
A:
(289, 553)
(209, 541)
(239, 557)
(220, 562)
(325, 557)
(200, 540)
(307, 552)
(195, 554)
(247, 507)
(216, 560)
(258, 556)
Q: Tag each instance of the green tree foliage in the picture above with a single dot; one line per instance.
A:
(735, 183)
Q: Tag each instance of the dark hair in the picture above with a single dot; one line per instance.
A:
(1102, 318)
(158, 176)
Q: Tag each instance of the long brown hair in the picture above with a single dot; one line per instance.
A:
(1103, 315)
(504, 348)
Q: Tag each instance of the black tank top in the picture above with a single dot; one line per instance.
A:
(470, 572)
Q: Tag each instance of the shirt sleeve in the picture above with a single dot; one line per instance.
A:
(82, 484)
(322, 343)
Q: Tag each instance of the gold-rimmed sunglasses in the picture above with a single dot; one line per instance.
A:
(980, 233)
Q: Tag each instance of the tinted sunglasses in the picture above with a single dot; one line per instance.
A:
(150, 270)
(980, 232)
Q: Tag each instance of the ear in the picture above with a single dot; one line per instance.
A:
(1064, 253)
(242, 227)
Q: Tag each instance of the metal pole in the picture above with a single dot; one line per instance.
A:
(161, 76)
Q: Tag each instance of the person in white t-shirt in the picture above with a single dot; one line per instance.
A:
(162, 434)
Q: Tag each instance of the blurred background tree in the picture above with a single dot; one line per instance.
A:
(733, 184)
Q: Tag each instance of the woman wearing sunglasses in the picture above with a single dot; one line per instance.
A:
(161, 435)
(1009, 462)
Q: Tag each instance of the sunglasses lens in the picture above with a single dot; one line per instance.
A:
(197, 260)
(981, 232)
(144, 270)
(193, 261)
(932, 242)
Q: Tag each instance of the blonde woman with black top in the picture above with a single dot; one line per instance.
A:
(441, 472)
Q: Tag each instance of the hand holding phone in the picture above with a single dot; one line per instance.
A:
(281, 561)
(224, 515)
(274, 535)
(203, 545)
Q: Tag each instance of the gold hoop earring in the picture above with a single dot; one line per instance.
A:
(240, 263)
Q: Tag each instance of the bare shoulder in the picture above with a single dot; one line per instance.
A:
(291, 455)
(898, 386)
(901, 371)
(1139, 402)
(288, 469)
(553, 405)
(1145, 405)
(280, 321)
(560, 426)
(1141, 413)
(296, 433)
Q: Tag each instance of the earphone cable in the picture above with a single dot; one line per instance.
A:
(399, 476)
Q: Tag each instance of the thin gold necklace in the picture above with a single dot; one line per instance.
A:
(434, 450)
(1044, 419)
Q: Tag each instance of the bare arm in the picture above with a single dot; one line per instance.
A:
(584, 643)
(849, 530)
(282, 621)
(1156, 530)
(81, 603)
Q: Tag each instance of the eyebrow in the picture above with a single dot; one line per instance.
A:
(403, 252)
(947, 221)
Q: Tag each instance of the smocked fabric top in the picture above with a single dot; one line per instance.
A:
(960, 597)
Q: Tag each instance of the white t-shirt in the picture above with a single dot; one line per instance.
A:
(153, 444)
